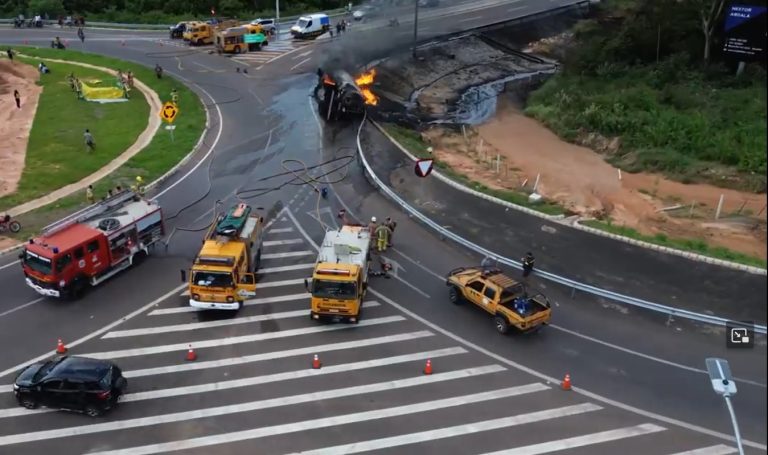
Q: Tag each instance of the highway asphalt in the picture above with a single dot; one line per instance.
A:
(266, 120)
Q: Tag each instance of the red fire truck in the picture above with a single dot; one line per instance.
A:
(90, 246)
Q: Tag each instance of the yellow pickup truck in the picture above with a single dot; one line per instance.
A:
(501, 296)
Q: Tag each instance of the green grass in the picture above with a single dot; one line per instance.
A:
(411, 140)
(152, 162)
(692, 245)
(56, 153)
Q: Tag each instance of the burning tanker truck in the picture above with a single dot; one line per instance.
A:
(341, 96)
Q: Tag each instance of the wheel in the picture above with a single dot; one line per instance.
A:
(28, 402)
(239, 305)
(502, 326)
(93, 411)
(3, 228)
(237, 50)
(15, 226)
(454, 295)
(257, 261)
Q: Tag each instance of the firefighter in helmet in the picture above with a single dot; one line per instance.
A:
(528, 261)
(138, 187)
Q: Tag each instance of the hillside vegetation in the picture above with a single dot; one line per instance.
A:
(641, 71)
(162, 11)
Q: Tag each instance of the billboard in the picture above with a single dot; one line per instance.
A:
(745, 32)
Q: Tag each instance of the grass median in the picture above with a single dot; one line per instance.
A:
(412, 141)
(152, 162)
(56, 154)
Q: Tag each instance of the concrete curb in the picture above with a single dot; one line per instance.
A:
(140, 144)
(160, 179)
(576, 224)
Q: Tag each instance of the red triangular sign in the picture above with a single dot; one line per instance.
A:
(423, 167)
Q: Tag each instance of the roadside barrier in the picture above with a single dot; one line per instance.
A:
(567, 282)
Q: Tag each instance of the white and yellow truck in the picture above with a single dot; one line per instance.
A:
(340, 278)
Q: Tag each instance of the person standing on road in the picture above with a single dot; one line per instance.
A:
(89, 140)
(158, 71)
(89, 194)
(391, 225)
(17, 97)
(81, 35)
(382, 238)
(528, 261)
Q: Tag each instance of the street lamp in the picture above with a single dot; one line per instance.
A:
(722, 383)
(277, 17)
(415, 25)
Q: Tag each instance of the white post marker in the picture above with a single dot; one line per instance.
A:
(170, 128)
(719, 206)
(722, 383)
(498, 163)
(536, 185)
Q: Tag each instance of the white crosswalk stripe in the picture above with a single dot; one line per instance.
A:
(273, 50)
(256, 355)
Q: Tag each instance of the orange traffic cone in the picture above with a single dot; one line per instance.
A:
(60, 348)
(428, 367)
(567, 382)
(316, 362)
(191, 355)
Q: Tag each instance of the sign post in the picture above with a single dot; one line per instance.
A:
(722, 383)
(745, 34)
(423, 167)
(168, 113)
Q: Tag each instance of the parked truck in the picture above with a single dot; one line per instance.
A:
(92, 245)
(340, 277)
(310, 27)
(223, 274)
(506, 299)
(203, 33)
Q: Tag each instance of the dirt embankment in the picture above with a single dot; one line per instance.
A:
(581, 180)
(15, 123)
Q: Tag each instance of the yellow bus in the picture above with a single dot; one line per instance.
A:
(240, 40)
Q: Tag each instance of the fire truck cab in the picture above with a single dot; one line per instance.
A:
(92, 245)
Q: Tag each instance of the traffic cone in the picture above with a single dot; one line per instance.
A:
(60, 348)
(567, 382)
(316, 362)
(428, 367)
(191, 355)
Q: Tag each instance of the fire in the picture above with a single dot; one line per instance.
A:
(365, 80)
(327, 80)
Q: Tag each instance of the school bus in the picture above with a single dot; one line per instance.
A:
(237, 40)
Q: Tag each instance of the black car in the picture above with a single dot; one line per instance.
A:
(74, 383)
(177, 31)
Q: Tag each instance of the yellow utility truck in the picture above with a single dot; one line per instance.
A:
(506, 299)
(340, 277)
(223, 274)
(238, 40)
(203, 32)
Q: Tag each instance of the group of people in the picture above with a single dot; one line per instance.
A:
(382, 232)
(137, 188)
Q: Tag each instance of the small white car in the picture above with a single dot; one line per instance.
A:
(268, 25)
(363, 13)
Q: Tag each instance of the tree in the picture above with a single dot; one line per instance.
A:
(709, 12)
(52, 8)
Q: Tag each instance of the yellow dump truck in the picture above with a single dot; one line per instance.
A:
(223, 274)
(238, 40)
(506, 299)
(204, 33)
(340, 278)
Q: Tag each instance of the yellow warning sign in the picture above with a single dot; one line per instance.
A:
(169, 112)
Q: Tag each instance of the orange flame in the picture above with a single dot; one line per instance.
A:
(327, 80)
(363, 81)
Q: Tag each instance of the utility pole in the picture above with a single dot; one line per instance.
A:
(277, 17)
(415, 25)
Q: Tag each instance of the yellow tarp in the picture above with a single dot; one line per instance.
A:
(102, 94)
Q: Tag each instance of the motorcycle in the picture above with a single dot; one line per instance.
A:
(7, 224)
(394, 23)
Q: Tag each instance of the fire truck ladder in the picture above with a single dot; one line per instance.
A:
(90, 212)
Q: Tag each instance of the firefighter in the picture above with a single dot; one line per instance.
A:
(138, 187)
(391, 224)
(528, 261)
(382, 238)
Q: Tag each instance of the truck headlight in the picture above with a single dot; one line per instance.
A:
(62, 283)
(195, 296)
(230, 299)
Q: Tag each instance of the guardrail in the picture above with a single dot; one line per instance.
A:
(288, 20)
(572, 284)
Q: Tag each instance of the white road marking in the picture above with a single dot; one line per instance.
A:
(98, 332)
(93, 428)
(469, 19)
(324, 422)
(581, 441)
(450, 432)
(299, 64)
(720, 449)
(9, 265)
(517, 8)
(249, 302)
(288, 254)
(211, 324)
(303, 54)
(22, 306)
(206, 67)
(282, 242)
(289, 375)
(201, 344)
(280, 230)
(286, 268)
(314, 349)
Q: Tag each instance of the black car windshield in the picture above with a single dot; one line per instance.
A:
(334, 289)
(44, 370)
(37, 263)
(213, 279)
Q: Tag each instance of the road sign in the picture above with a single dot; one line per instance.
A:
(169, 112)
(423, 167)
(720, 375)
(255, 38)
(745, 32)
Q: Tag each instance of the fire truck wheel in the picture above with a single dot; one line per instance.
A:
(257, 261)
(77, 288)
(239, 305)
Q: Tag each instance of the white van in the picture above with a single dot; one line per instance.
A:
(312, 26)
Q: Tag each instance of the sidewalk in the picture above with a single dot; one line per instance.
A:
(566, 251)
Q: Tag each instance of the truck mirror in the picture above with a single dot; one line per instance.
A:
(183, 276)
(306, 284)
(21, 255)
